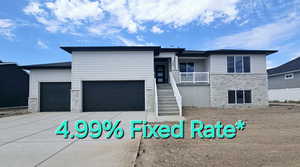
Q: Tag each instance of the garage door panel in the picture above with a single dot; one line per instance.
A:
(113, 96)
(55, 96)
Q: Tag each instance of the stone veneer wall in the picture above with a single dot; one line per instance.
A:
(33, 105)
(221, 83)
(76, 101)
(150, 101)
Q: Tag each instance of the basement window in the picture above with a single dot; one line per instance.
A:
(239, 96)
(289, 76)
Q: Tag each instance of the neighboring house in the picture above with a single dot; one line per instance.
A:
(284, 81)
(149, 78)
(14, 85)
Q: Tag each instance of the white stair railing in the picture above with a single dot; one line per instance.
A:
(155, 98)
(176, 93)
(193, 77)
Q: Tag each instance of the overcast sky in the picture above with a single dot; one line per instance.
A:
(31, 31)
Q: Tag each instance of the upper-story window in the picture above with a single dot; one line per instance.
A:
(238, 64)
(187, 67)
(289, 76)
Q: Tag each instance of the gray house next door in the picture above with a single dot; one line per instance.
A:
(113, 96)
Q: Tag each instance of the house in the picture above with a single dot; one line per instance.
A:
(14, 85)
(149, 78)
(284, 81)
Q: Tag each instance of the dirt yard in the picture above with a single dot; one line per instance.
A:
(271, 138)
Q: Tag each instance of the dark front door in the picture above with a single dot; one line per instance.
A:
(113, 96)
(160, 74)
(55, 96)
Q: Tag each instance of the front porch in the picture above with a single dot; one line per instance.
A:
(192, 71)
(184, 70)
(172, 73)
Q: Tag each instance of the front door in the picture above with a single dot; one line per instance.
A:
(160, 73)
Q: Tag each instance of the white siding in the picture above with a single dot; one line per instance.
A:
(195, 95)
(218, 63)
(130, 65)
(292, 94)
(44, 75)
(258, 64)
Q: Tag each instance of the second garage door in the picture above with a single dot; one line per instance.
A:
(113, 96)
(55, 96)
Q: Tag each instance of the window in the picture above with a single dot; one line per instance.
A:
(246, 61)
(231, 97)
(230, 64)
(289, 76)
(187, 67)
(238, 64)
(239, 97)
(248, 98)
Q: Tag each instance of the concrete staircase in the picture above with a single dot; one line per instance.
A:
(167, 104)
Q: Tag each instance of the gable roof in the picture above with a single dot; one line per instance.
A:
(61, 65)
(292, 65)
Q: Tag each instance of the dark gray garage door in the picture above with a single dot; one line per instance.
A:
(55, 96)
(113, 96)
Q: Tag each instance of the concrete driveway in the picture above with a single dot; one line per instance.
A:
(29, 140)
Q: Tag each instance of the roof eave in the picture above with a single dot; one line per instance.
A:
(71, 49)
(225, 52)
(32, 68)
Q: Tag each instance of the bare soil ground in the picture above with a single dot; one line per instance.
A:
(13, 111)
(271, 138)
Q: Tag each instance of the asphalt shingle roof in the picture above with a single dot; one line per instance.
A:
(61, 65)
(289, 66)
